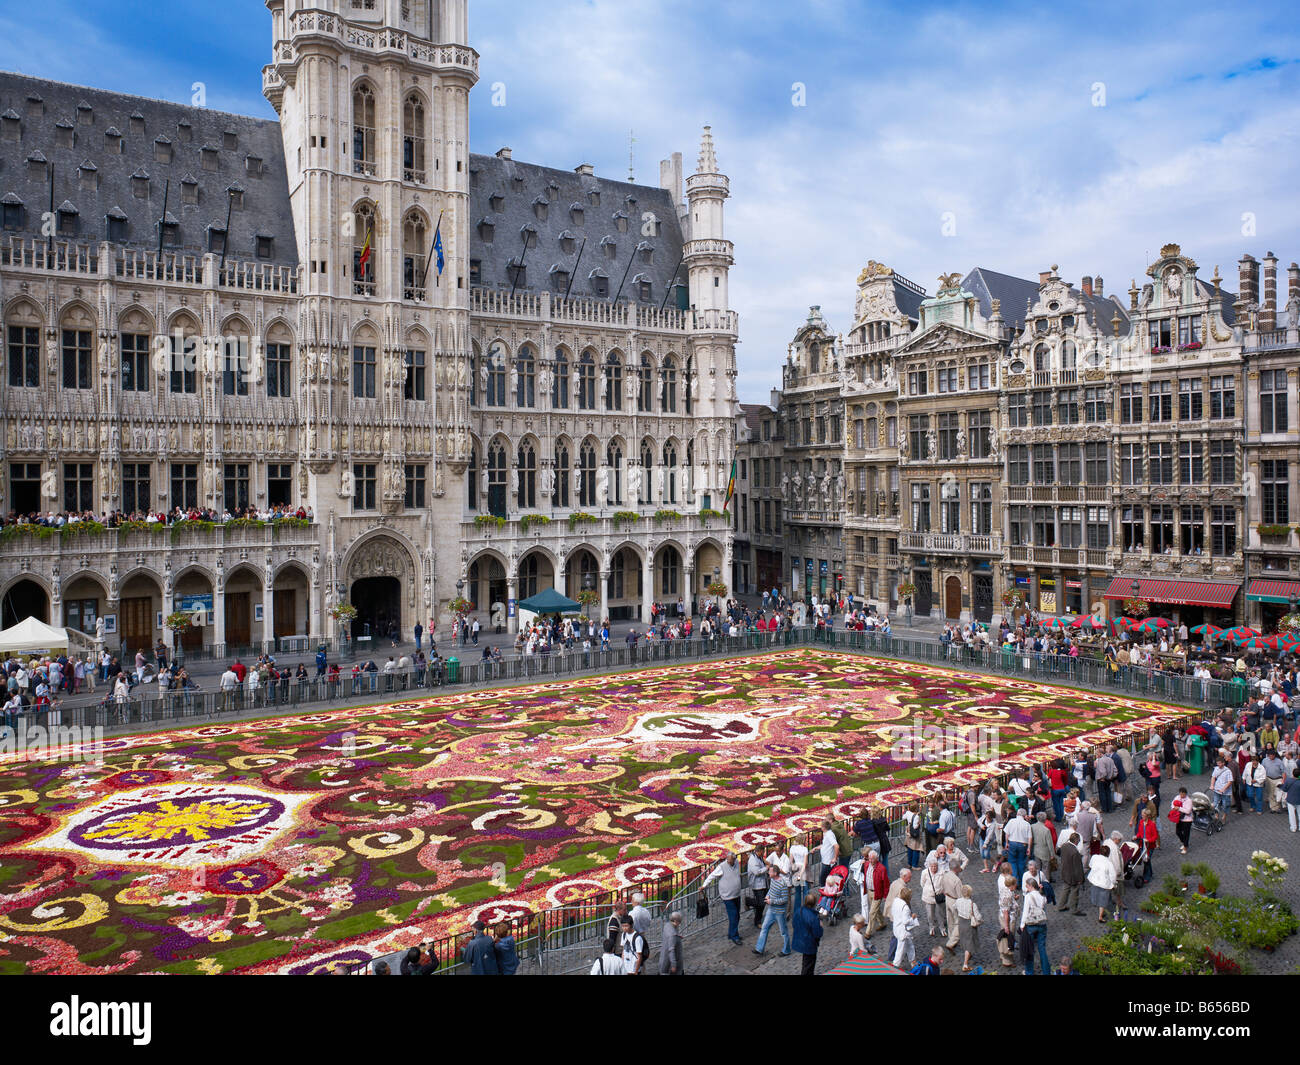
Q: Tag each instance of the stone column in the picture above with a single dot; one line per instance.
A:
(268, 612)
(512, 589)
(604, 597)
(688, 575)
(219, 620)
(647, 587)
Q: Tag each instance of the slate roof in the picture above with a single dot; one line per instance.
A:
(1018, 293)
(568, 211)
(61, 108)
(754, 413)
(908, 300)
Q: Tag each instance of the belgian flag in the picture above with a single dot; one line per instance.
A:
(365, 252)
(731, 487)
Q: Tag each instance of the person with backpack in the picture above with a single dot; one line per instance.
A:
(610, 963)
(635, 949)
(912, 835)
(481, 952)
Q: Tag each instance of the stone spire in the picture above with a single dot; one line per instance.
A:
(708, 161)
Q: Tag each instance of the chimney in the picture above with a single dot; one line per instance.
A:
(1096, 287)
(670, 177)
(1293, 284)
(1086, 285)
(1043, 275)
(585, 169)
(503, 153)
(1268, 308)
(1248, 286)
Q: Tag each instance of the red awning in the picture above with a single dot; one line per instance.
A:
(1175, 593)
(1273, 591)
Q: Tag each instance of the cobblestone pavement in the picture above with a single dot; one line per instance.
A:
(1227, 852)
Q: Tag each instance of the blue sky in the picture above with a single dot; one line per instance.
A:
(981, 112)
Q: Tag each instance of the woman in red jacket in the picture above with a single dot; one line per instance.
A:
(1148, 833)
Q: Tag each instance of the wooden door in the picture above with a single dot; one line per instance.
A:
(136, 624)
(238, 621)
(952, 598)
(285, 605)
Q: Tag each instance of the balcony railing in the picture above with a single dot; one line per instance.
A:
(953, 543)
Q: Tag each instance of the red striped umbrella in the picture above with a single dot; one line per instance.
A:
(1086, 621)
(1239, 635)
(1152, 624)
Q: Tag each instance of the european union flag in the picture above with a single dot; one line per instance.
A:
(437, 247)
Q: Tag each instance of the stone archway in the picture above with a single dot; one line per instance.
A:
(381, 584)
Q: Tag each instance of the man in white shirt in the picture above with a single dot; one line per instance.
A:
(633, 945)
(640, 915)
(1018, 834)
(727, 874)
(830, 849)
(611, 962)
(229, 682)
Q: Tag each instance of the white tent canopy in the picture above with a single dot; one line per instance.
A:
(33, 635)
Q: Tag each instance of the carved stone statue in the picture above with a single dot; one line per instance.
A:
(961, 443)
(931, 444)
(993, 446)
(544, 381)
(633, 483)
(659, 482)
(602, 486)
(546, 479)
(576, 485)
(346, 485)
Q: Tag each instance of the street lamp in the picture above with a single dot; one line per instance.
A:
(588, 584)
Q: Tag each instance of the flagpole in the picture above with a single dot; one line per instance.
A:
(574, 271)
(527, 237)
(671, 280)
(432, 248)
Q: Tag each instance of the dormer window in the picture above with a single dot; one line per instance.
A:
(559, 280)
(85, 114)
(593, 197)
(497, 203)
(236, 196)
(115, 225)
(620, 222)
(35, 106)
(553, 191)
(208, 157)
(63, 135)
(66, 219)
(644, 289)
(599, 283)
(568, 243)
(137, 123)
(229, 140)
(140, 184)
(189, 190)
(171, 232)
(253, 165)
(476, 271)
(184, 131)
(517, 273)
(610, 247)
(265, 247)
(486, 230)
(36, 166)
(11, 212)
(541, 206)
(216, 239)
(162, 150)
(576, 213)
(517, 184)
(113, 140)
(88, 176)
(645, 252)
(11, 126)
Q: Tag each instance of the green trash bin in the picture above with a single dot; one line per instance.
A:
(1196, 755)
(453, 670)
(1237, 690)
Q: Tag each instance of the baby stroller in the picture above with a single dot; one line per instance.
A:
(1133, 856)
(1203, 815)
(834, 894)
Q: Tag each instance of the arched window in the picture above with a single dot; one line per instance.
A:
(587, 381)
(528, 577)
(613, 381)
(363, 250)
(587, 475)
(560, 384)
(414, 251)
(497, 479)
(527, 476)
(560, 496)
(614, 460)
(645, 393)
(670, 472)
(669, 570)
(494, 376)
(23, 348)
(647, 471)
(668, 376)
(363, 130)
(413, 140)
(525, 378)
(1042, 358)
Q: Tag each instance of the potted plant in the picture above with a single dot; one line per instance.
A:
(529, 520)
(1136, 608)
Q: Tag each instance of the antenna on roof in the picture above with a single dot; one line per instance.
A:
(631, 175)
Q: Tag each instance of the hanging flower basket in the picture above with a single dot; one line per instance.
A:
(179, 621)
(343, 612)
(907, 589)
(1012, 599)
(460, 605)
(716, 588)
(588, 597)
(1137, 608)
(1289, 623)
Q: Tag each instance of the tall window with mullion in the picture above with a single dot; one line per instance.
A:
(1272, 401)
(135, 362)
(527, 481)
(136, 495)
(184, 376)
(363, 485)
(234, 366)
(78, 486)
(560, 382)
(279, 379)
(235, 486)
(415, 495)
(413, 387)
(24, 356)
(525, 378)
(586, 383)
(494, 376)
(76, 358)
(185, 485)
(1274, 492)
(363, 371)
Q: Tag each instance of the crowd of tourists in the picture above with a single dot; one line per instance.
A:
(116, 518)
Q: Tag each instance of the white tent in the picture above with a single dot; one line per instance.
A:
(31, 635)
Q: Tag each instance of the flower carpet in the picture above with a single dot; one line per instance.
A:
(288, 844)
